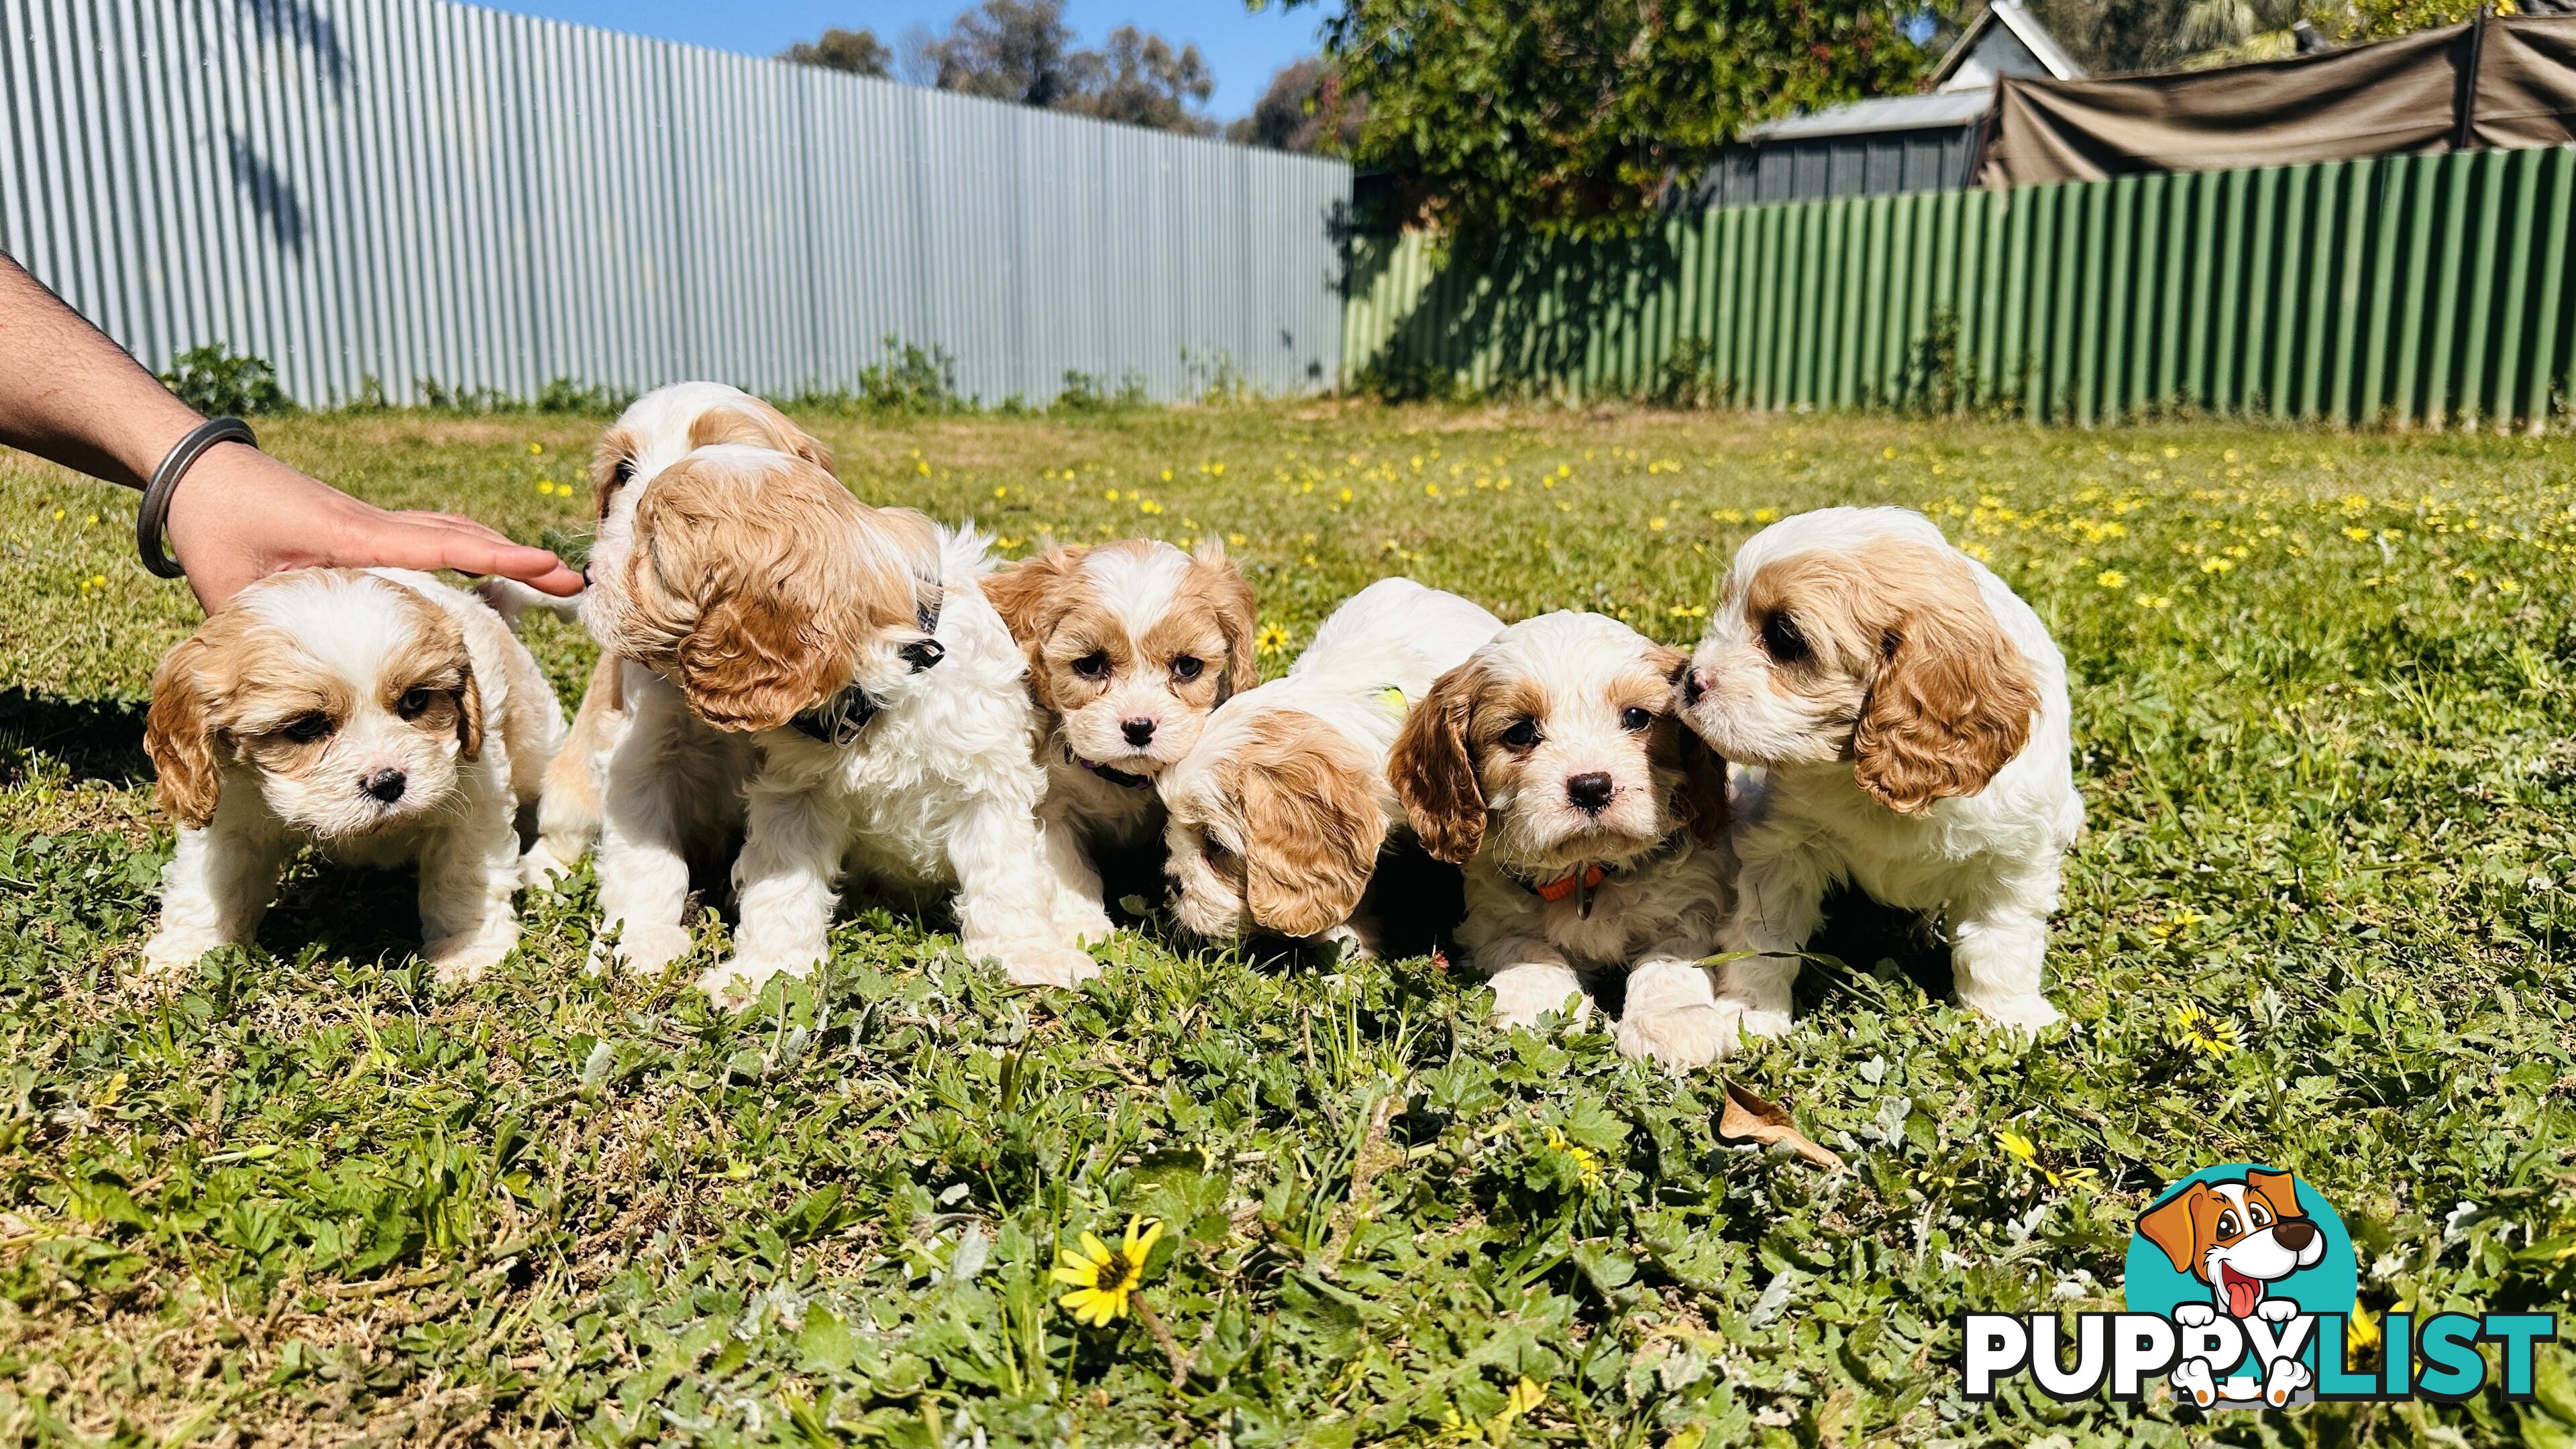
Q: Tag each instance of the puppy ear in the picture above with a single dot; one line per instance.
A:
(1020, 592)
(1951, 704)
(180, 738)
(1432, 772)
(469, 716)
(1701, 800)
(755, 660)
(2170, 1226)
(758, 425)
(1225, 586)
(1312, 832)
(2279, 1189)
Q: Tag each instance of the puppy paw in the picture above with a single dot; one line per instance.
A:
(2287, 1376)
(2191, 1376)
(542, 865)
(461, 959)
(1045, 964)
(174, 951)
(736, 983)
(644, 950)
(2277, 1310)
(1083, 920)
(1522, 996)
(1682, 1039)
(2194, 1315)
(2020, 1013)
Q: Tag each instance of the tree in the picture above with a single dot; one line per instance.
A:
(1022, 50)
(1575, 115)
(857, 52)
(1141, 80)
(1307, 108)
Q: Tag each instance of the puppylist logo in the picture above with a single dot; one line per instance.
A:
(2241, 1284)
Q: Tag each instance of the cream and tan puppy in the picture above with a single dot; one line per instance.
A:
(654, 778)
(1279, 813)
(1591, 825)
(826, 674)
(379, 715)
(1904, 716)
(1130, 645)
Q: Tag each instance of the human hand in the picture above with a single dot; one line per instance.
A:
(241, 515)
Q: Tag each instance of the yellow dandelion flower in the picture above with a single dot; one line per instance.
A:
(923, 467)
(92, 519)
(58, 515)
(1587, 1163)
(2111, 579)
(1001, 492)
(2507, 586)
(2155, 601)
(2216, 565)
(2362, 1329)
(1346, 495)
(1234, 539)
(2022, 1148)
(1103, 1277)
(2199, 1031)
(1273, 639)
(545, 487)
(1167, 475)
(2172, 452)
(1766, 515)
(1149, 506)
(2357, 535)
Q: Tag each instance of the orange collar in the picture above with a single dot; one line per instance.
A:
(1588, 878)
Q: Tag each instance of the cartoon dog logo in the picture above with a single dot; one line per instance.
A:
(2239, 1238)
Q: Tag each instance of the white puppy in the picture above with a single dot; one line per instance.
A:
(1591, 826)
(838, 666)
(1130, 645)
(1907, 714)
(380, 715)
(1279, 813)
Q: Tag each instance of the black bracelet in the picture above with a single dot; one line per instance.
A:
(165, 481)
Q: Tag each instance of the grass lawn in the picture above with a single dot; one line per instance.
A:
(2323, 916)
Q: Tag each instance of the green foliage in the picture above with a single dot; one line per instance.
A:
(217, 382)
(852, 52)
(564, 395)
(2323, 915)
(1088, 393)
(1571, 115)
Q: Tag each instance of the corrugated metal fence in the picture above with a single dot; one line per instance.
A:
(411, 189)
(2417, 290)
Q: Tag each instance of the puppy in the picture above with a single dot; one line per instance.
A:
(379, 715)
(2239, 1238)
(695, 645)
(1279, 812)
(1907, 716)
(1591, 825)
(1130, 645)
(828, 670)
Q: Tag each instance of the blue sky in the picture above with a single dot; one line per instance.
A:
(1241, 48)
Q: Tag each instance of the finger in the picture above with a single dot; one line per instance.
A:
(458, 521)
(425, 545)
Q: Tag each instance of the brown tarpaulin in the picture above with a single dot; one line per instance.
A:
(2397, 97)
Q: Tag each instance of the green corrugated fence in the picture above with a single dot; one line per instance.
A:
(2408, 290)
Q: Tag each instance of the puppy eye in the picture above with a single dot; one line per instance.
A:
(2254, 1213)
(1522, 734)
(414, 703)
(2227, 1225)
(622, 475)
(1635, 720)
(1094, 665)
(1218, 857)
(1187, 666)
(1782, 641)
(305, 729)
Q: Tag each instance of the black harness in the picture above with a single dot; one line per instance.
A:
(838, 720)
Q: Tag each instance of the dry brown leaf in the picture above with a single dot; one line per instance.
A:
(1748, 1116)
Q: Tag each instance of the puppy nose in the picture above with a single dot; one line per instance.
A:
(1589, 791)
(1693, 685)
(385, 785)
(1139, 732)
(2294, 1233)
